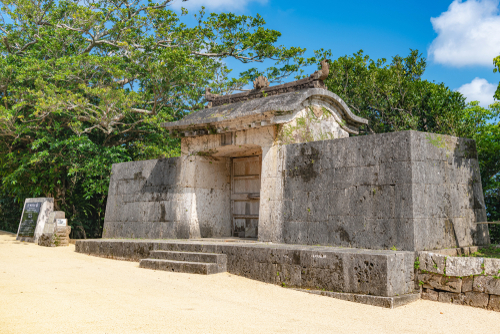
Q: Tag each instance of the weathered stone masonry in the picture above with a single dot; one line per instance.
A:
(333, 212)
(176, 198)
(379, 273)
(445, 277)
(408, 190)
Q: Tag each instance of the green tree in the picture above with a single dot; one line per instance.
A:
(85, 84)
(485, 129)
(393, 97)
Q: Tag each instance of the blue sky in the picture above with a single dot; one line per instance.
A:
(458, 38)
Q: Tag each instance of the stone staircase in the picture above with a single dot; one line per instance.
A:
(186, 262)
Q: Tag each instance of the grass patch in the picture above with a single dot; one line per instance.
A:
(489, 252)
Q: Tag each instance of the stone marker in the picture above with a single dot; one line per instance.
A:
(50, 225)
(56, 231)
(34, 217)
(61, 236)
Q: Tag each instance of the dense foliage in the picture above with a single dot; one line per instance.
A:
(85, 84)
(393, 97)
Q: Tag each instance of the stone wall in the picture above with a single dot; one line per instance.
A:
(379, 273)
(469, 281)
(405, 190)
(186, 197)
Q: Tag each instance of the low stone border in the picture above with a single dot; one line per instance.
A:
(359, 271)
(387, 302)
(472, 281)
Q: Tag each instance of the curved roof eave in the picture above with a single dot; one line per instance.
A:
(276, 103)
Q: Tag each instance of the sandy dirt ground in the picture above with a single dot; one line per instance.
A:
(55, 290)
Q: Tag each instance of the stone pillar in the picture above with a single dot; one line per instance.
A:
(271, 195)
(54, 233)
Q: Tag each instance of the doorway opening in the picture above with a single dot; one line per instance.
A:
(245, 196)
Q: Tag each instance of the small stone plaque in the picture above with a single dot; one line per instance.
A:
(62, 222)
(29, 219)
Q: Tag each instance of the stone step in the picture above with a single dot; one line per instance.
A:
(220, 259)
(183, 266)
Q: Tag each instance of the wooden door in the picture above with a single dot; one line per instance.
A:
(245, 196)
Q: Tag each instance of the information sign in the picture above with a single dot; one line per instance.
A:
(29, 219)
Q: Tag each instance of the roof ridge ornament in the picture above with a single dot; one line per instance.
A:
(260, 82)
(210, 97)
(323, 73)
(262, 88)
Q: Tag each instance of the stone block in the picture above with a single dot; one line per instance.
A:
(46, 240)
(463, 266)
(492, 285)
(386, 302)
(338, 201)
(429, 146)
(492, 267)
(397, 172)
(440, 282)
(432, 262)
(429, 294)
(467, 283)
(316, 204)
(476, 299)
(398, 282)
(403, 207)
(318, 233)
(432, 233)
(494, 303)
(474, 249)
(396, 147)
(479, 283)
(449, 252)
(451, 298)
(428, 172)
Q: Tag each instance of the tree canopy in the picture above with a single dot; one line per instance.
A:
(85, 84)
(394, 97)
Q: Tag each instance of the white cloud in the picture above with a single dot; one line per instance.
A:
(468, 34)
(479, 90)
(225, 5)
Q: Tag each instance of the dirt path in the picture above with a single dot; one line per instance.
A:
(55, 290)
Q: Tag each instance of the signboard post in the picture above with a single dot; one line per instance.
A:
(29, 219)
